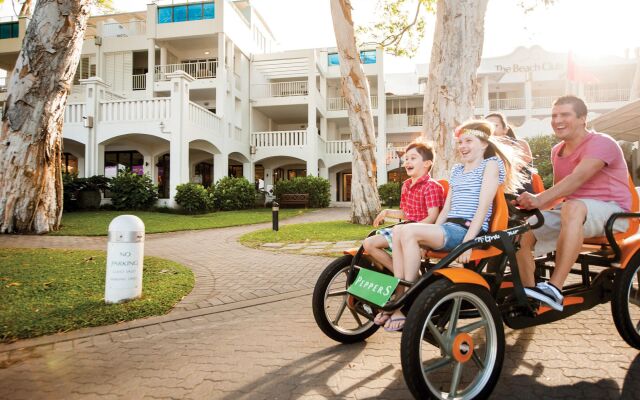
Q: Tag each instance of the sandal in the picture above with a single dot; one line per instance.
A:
(398, 322)
(381, 318)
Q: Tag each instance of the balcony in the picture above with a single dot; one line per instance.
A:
(516, 103)
(338, 147)
(139, 82)
(415, 120)
(404, 122)
(124, 29)
(340, 103)
(607, 95)
(198, 70)
(280, 89)
(279, 139)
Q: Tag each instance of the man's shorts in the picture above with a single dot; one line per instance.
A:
(598, 212)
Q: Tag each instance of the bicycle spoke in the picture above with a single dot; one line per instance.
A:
(472, 326)
(455, 380)
(356, 317)
(435, 332)
(436, 365)
(453, 321)
(337, 293)
(340, 312)
(477, 360)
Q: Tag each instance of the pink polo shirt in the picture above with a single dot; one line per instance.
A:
(611, 183)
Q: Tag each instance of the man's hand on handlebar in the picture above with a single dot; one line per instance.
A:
(528, 201)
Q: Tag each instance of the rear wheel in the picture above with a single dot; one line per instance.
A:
(625, 304)
(450, 354)
(335, 310)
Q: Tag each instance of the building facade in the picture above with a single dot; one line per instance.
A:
(195, 92)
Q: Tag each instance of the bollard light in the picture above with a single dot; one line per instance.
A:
(125, 253)
(274, 215)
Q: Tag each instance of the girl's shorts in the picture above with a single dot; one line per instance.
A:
(453, 236)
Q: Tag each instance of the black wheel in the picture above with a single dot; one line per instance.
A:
(625, 304)
(335, 310)
(447, 354)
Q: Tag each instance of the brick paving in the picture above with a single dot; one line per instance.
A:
(223, 343)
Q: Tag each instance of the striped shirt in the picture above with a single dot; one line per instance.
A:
(465, 187)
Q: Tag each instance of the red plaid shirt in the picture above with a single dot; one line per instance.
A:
(417, 199)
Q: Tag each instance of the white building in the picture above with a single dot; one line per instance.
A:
(195, 92)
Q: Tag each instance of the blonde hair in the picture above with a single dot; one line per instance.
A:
(513, 158)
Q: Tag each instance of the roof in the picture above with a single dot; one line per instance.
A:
(622, 123)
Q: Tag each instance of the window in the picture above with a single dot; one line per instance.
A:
(115, 161)
(368, 56)
(333, 59)
(69, 163)
(9, 30)
(84, 70)
(181, 13)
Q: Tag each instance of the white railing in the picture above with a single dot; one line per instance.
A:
(543, 101)
(392, 152)
(198, 69)
(338, 147)
(124, 29)
(606, 95)
(135, 110)
(139, 82)
(415, 120)
(340, 103)
(204, 118)
(279, 138)
(517, 103)
(73, 113)
(281, 89)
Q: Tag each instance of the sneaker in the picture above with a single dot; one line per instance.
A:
(546, 293)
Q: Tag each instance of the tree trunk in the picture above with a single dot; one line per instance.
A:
(31, 136)
(365, 202)
(452, 83)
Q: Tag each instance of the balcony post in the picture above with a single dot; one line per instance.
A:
(179, 146)
(151, 67)
(311, 149)
(94, 88)
(221, 76)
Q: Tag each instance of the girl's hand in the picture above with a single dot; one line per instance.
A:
(380, 218)
(464, 257)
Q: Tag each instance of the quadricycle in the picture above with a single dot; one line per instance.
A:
(453, 341)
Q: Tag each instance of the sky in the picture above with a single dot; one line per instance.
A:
(585, 27)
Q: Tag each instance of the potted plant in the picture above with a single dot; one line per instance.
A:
(89, 191)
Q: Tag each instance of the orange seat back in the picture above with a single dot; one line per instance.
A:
(537, 183)
(445, 185)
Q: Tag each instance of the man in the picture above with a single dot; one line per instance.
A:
(590, 183)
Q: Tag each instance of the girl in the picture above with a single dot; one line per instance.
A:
(473, 184)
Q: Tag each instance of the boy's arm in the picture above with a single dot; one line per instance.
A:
(387, 213)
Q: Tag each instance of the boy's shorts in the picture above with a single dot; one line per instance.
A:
(598, 212)
(388, 234)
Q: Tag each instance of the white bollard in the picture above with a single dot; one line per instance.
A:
(125, 252)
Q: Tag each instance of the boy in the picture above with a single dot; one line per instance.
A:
(420, 201)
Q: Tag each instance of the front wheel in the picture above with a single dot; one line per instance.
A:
(448, 354)
(335, 310)
(625, 303)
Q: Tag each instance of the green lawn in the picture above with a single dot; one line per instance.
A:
(96, 223)
(333, 231)
(46, 291)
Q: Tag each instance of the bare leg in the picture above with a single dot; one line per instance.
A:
(375, 245)
(526, 264)
(570, 240)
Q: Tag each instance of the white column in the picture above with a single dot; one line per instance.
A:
(163, 55)
(312, 128)
(179, 146)
(381, 141)
(98, 42)
(94, 88)
(220, 166)
(151, 66)
(221, 75)
(248, 171)
(528, 97)
(485, 95)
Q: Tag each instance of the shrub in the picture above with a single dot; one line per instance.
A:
(233, 194)
(193, 198)
(390, 193)
(83, 193)
(541, 151)
(131, 191)
(318, 189)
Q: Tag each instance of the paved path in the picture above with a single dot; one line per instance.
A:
(266, 345)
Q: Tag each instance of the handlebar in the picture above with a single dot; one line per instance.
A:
(511, 203)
